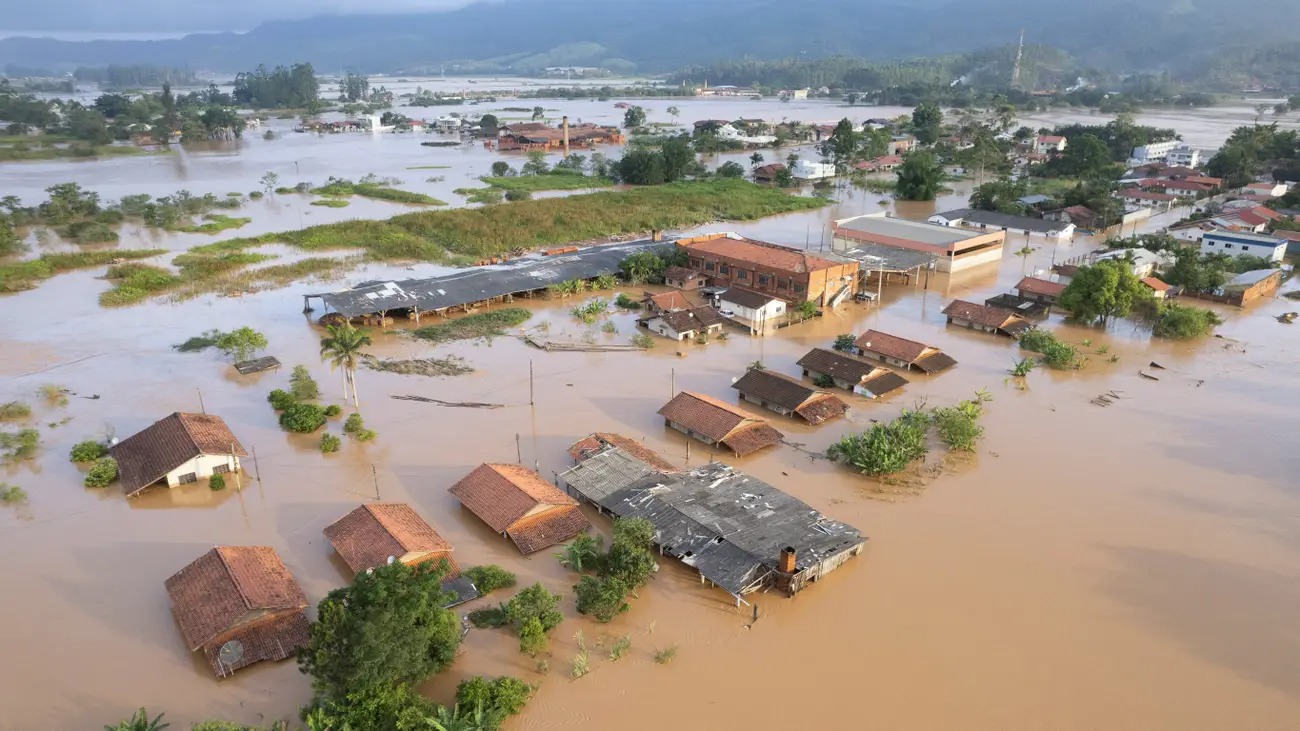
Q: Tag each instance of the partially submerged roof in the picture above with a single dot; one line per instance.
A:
(368, 536)
(762, 253)
(888, 230)
(792, 394)
(599, 441)
(890, 346)
(668, 301)
(1249, 279)
(516, 501)
(720, 423)
(748, 298)
(842, 366)
(995, 317)
(683, 273)
(1156, 284)
(1044, 287)
(683, 321)
(1003, 220)
(228, 586)
(729, 525)
(475, 284)
(147, 457)
(880, 257)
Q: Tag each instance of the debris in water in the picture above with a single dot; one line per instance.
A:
(1154, 364)
(1287, 318)
(1148, 376)
(450, 404)
(451, 366)
(1106, 399)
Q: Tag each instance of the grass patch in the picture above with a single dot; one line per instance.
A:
(12, 494)
(666, 655)
(24, 275)
(377, 192)
(452, 366)
(554, 181)
(495, 230)
(223, 273)
(1056, 354)
(15, 410)
(330, 203)
(470, 327)
(486, 196)
(20, 445)
(19, 152)
(429, 167)
(1050, 186)
(215, 223)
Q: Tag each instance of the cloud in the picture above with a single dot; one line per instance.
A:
(148, 16)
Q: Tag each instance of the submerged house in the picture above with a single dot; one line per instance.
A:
(1044, 291)
(788, 396)
(684, 278)
(986, 319)
(665, 302)
(850, 372)
(718, 424)
(179, 449)
(517, 503)
(600, 441)
(239, 605)
(901, 352)
(686, 324)
(740, 533)
(376, 534)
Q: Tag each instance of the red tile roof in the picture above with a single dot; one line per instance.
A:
(1033, 285)
(502, 494)
(759, 253)
(719, 422)
(667, 301)
(594, 443)
(890, 346)
(1156, 284)
(224, 587)
(843, 366)
(369, 535)
(994, 317)
(1051, 139)
(1147, 196)
(548, 528)
(146, 457)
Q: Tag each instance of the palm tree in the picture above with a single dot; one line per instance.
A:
(455, 719)
(140, 722)
(342, 348)
(582, 553)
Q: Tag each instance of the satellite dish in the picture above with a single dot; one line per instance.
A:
(231, 653)
(391, 559)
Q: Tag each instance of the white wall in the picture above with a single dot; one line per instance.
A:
(202, 466)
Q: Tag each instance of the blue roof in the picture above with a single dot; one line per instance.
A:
(1245, 239)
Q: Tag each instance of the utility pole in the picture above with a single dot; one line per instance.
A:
(375, 474)
(531, 401)
(202, 410)
(519, 453)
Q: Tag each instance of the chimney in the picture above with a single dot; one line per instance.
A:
(564, 123)
(787, 560)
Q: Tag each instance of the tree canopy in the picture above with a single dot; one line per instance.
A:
(919, 177)
(1103, 291)
(292, 87)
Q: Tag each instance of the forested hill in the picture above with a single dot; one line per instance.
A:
(662, 35)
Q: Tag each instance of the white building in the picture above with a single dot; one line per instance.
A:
(1184, 156)
(757, 311)
(1153, 152)
(1236, 243)
(179, 449)
(808, 170)
(1145, 262)
(1049, 144)
(1272, 190)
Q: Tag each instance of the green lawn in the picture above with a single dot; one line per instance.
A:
(23, 275)
(534, 183)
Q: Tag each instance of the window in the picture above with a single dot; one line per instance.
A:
(742, 274)
(723, 269)
(221, 469)
(187, 478)
(780, 284)
(763, 279)
(1227, 246)
(708, 266)
(798, 287)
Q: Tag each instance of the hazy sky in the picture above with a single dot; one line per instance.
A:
(22, 17)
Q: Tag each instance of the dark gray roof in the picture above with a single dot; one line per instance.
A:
(1249, 279)
(874, 257)
(475, 284)
(1004, 220)
(746, 297)
(463, 588)
(729, 525)
(611, 469)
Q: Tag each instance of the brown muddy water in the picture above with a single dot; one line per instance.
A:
(1127, 567)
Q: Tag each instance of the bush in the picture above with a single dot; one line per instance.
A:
(887, 447)
(498, 698)
(1179, 322)
(489, 578)
(535, 602)
(643, 341)
(20, 445)
(489, 617)
(242, 344)
(844, 342)
(666, 655)
(280, 399)
(532, 638)
(11, 494)
(102, 473)
(15, 410)
(602, 598)
(88, 451)
(329, 443)
(353, 424)
(626, 303)
(333, 410)
(515, 194)
(302, 418)
(1056, 354)
(364, 435)
(302, 385)
(824, 381)
(216, 483)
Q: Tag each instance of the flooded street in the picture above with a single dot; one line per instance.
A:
(1128, 567)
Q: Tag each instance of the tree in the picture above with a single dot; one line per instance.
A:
(504, 695)
(502, 169)
(270, 181)
(674, 112)
(534, 602)
(241, 344)
(1178, 322)
(532, 637)
(1197, 273)
(919, 177)
(140, 721)
(582, 553)
(634, 117)
(640, 166)
(755, 159)
(1086, 157)
(390, 627)
(679, 158)
(844, 342)
(1000, 195)
(1103, 291)
(731, 169)
(643, 267)
(843, 146)
(535, 164)
(385, 706)
(342, 348)
(927, 123)
(489, 121)
(784, 178)
(538, 113)
(602, 597)
(805, 310)
(302, 386)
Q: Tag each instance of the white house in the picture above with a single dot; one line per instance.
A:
(1184, 156)
(1145, 262)
(1236, 243)
(757, 311)
(1153, 152)
(179, 449)
(1049, 144)
(809, 170)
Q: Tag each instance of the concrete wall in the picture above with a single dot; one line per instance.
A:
(202, 466)
(962, 262)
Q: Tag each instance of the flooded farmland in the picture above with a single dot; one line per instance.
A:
(1125, 567)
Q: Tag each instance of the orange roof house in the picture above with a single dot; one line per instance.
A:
(594, 443)
(178, 449)
(374, 533)
(517, 503)
(719, 424)
(240, 605)
(794, 275)
(986, 319)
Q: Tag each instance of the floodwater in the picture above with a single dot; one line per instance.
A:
(1126, 567)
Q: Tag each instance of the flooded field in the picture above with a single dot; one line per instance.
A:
(1127, 567)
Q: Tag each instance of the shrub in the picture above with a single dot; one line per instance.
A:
(603, 598)
(20, 445)
(516, 194)
(532, 638)
(102, 473)
(489, 617)
(498, 698)
(302, 418)
(620, 648)
(534, 602)
(242, 344)
(364, 435)
(15, 410)
(886, 447)
(1023, 367)
(489, 578)
(332, 410)
(666, 655)
(643, 341)
(216, 483)
(824, 381)
(844, 342)
(280, 399)
(329, 443)
(302, 385)
(54, 394)
(88, 451)
(625, 302)
(1180, 322)
(1056, 354)
(10, 494)
(353, 424)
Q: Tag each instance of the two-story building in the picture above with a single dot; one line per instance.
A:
(1236, 243)
(792, 275)
(1049, 144)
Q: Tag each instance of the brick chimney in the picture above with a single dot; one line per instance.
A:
(564, 124)
(787, 560)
